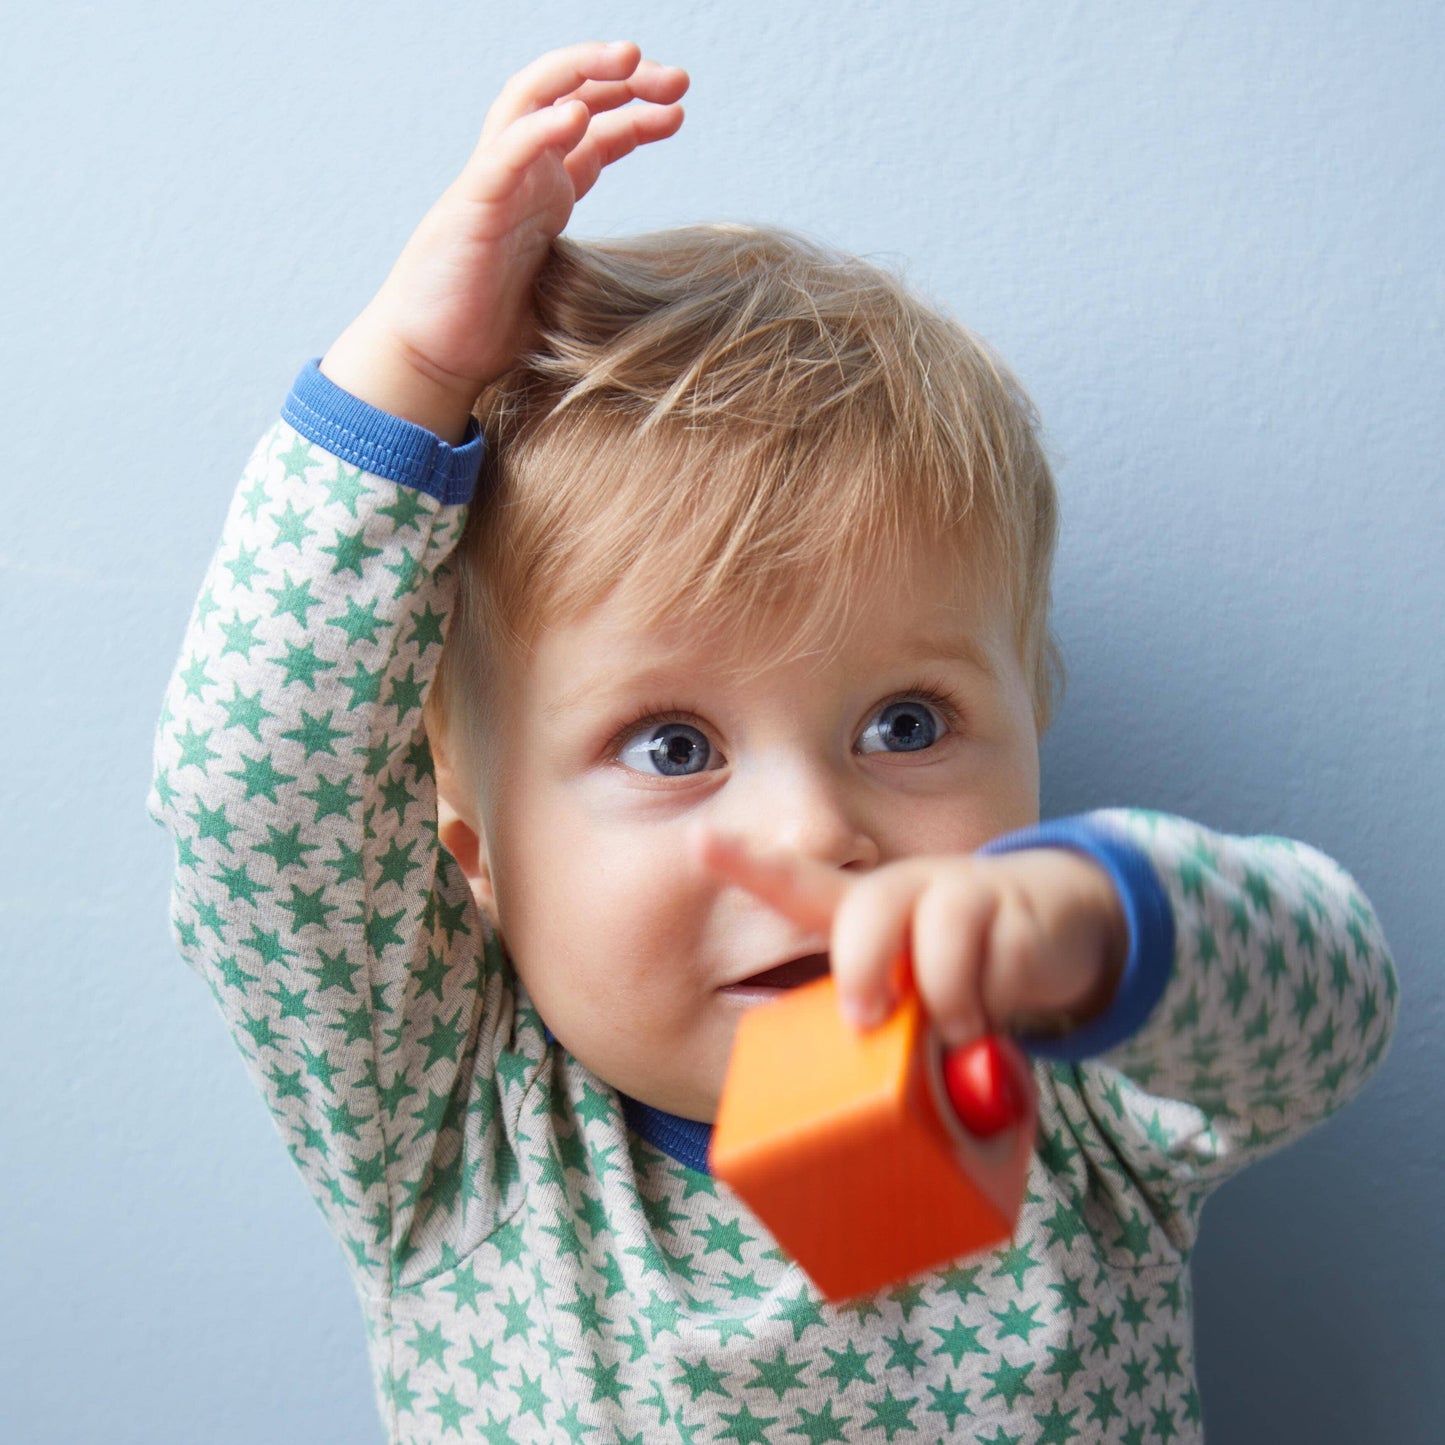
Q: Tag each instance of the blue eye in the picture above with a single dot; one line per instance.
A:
(902, 727)
(669, 750)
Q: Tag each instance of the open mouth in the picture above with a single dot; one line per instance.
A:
(792, 974)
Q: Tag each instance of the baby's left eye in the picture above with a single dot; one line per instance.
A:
(909, 726)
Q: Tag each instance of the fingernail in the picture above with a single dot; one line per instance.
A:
(866, 1012)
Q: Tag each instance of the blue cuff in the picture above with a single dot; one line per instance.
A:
(1151, 932)
(380, 443)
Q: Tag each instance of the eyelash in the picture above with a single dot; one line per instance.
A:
(934, 693)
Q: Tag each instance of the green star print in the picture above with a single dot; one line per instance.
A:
(531, 1271)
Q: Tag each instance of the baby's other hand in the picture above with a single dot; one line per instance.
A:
(1005, 943)
(456, 309)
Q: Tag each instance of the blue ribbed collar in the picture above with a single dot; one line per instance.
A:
(685, 1140)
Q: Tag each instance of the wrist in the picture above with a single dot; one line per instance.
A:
(373, 366)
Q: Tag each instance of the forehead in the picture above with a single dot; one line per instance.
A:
(930, 609)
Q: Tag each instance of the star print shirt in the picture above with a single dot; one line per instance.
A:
(532, 1267)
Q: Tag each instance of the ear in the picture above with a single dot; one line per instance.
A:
(460, 831)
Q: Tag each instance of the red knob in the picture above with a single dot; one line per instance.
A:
(987, 1083)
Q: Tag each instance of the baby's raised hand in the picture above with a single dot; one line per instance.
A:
(1004, 943)
(456, 309)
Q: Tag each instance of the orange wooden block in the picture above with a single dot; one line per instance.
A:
(836, 1140)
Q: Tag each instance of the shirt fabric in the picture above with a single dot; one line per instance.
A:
(540, 1260)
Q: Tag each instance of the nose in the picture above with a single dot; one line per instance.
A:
(804, 807)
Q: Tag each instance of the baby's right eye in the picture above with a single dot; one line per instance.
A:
(669, 750)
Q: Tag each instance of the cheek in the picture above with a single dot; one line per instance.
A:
(1011, 800)
(1019, 787)
(1000, 798)
(606, 912)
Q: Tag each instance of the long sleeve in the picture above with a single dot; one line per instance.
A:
(1277, 1004)
(530, 1267)
(293, 772)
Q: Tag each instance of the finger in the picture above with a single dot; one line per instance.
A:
(559, 73)
(1014, 960)
(610, 137)
(496, 169)
(801, 888)
(951, 928)
(870, 938)
(659, 84)
(1047, 968)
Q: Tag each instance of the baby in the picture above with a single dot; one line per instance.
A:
(492, 821)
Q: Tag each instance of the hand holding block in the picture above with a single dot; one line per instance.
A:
(845, 1146)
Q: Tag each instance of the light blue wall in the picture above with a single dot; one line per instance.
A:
(1208, 236)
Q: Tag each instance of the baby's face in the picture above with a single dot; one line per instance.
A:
(612, 741)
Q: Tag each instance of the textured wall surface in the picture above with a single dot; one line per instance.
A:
(1208, 237)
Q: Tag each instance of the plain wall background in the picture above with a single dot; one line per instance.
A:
(1209, 238)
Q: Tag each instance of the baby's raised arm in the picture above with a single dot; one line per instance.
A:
(292, 764)
(456, 308)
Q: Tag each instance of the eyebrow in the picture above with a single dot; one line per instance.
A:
(958, 648)
(604, 684)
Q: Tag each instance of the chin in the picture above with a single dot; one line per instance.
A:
(686, 1101)
(691, 1093)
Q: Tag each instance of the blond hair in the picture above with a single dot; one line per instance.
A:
(735, 419)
